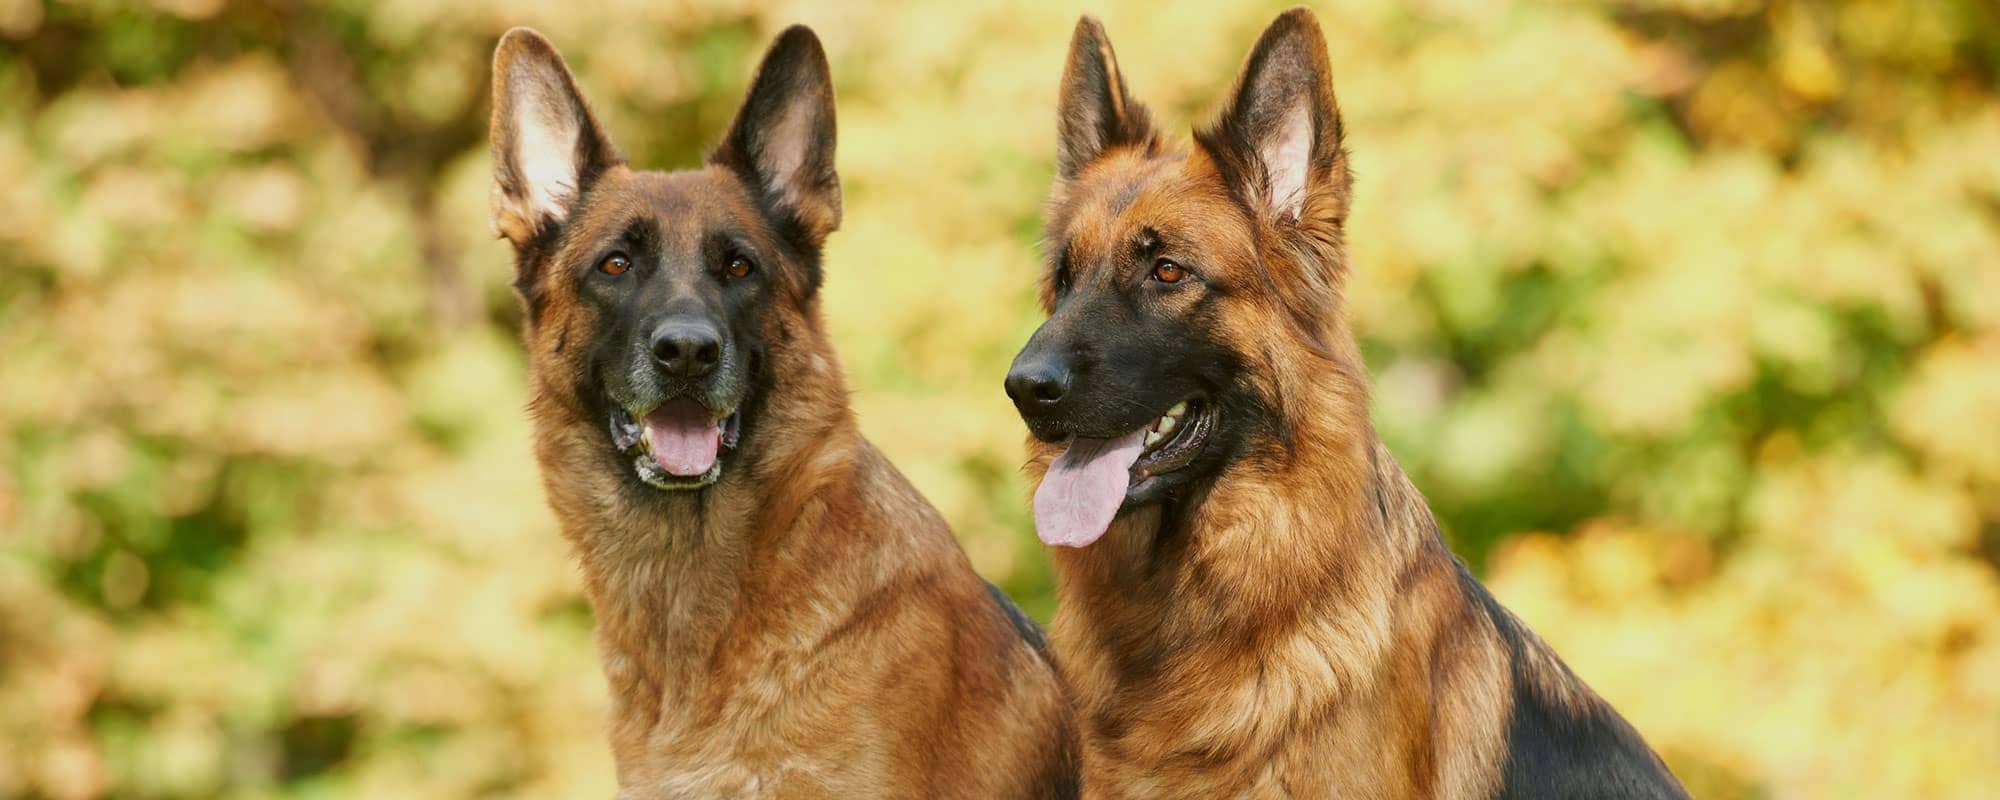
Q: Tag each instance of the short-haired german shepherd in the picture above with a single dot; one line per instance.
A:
(1254, 601)
(779, 613)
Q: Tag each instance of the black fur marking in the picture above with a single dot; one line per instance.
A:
(1555, 750)
(805, 251)
(1064, 278)
(1133, 357)
(1025, 627)
(529, 260)
(641, 236)
(1148, 245)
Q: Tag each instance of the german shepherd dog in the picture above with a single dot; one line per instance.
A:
(1253, 599)
(779, 613)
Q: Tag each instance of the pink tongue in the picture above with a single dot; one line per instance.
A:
(683, 438)
(1084, 487)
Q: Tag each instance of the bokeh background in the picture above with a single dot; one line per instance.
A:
(1684, 313)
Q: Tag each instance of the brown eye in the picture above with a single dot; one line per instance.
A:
(1166, 271)
(614, 264)
(739, 267)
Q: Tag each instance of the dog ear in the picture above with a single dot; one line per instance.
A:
(547, 146)
(1095, 112)
(1278, 140)
(782, 140)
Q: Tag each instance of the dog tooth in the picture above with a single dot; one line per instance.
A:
(1178, 409)
(1166, 425)
(1154, 438)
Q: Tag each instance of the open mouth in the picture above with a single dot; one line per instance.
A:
(676, 446)
(1093, 478)
(1171, 442)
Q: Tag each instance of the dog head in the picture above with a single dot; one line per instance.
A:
(1181, 286)
(659, 305)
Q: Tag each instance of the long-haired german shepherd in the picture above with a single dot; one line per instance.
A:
(779, 613)
(1254, 600)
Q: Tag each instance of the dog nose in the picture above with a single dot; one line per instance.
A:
(687, 349)
(1037, 385)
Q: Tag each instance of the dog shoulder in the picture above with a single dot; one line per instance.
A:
(1562, 740)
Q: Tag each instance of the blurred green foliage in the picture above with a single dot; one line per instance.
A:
(1685, 313)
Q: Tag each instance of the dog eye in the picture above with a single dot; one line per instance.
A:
(1166, 271)
(614, 264)
(739, 267)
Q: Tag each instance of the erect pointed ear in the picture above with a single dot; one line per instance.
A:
(1095, 112)
(1278, 139)
(782, 141)
(547, 146)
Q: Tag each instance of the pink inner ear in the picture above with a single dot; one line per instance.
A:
(1287, 154)
(785, 146)
(544, 134)
(546, 155)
